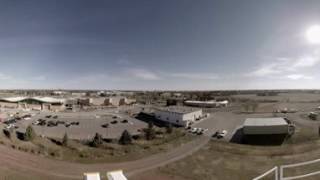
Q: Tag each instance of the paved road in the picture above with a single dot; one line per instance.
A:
(20, 161)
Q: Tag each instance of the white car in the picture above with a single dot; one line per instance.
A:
(222, 134)
(194, 130)
(36, 122)
(10, 126)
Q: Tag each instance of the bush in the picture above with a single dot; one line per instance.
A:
(169, 129)
(313, 116)
(97, 140)
(65, 140)
(30, 134)
(7, 133)
(150, 133)
(125, 138)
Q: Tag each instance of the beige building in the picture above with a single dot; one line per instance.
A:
(33, 103)
(181, 116)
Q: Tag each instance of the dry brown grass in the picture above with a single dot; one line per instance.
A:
(220, 160)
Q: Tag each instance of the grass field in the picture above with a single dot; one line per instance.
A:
(221, 160)
(108, 152)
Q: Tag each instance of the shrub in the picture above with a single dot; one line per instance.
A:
(7, 133)
(125, 138)
(65, 140)
(97, 140)
(30, 134)
(169, 129)
(150, 133)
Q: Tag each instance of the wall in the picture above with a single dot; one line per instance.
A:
(171, 117)
(193, 116)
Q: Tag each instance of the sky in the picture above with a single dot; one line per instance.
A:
(159, 45)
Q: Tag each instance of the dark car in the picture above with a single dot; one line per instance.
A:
(124, 121)
(55, 117)
(75, 123)
(114, 122)
(105, 125)
(42, 122)
(61, 122)
(52, 124)
(49, 116)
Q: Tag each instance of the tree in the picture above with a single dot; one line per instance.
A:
(30, 134)
(150, 132)
(246, 107)
(254, 106)
(125, 138)
(65, 140)
(169, 128)
(97, 140)
(7, 133)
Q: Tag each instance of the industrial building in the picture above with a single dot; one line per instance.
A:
(33, 103)
(118, 101)
(266, 130)
(178, 115)
(208, 104)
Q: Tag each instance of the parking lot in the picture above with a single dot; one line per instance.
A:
(81, 125)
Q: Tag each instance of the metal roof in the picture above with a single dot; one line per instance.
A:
(265, 122)
(41, 99)
(116, 175)
(178, 109)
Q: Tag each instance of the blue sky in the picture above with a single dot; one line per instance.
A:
(152, 44)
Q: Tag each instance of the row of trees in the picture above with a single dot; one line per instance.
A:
(125, 139)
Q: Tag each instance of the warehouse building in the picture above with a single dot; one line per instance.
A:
(266, 130)
(32, 103)
(177, 115)
(118, 101)
(207, 104)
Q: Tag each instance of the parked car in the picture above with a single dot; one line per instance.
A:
(75, 123)
(124, 121)
(55, 117)
(61, 122)
(10, 126)
(215, 134)
(48, 116)
(105, 125)
(42, 122)
(52, 124)
(222, 134)
(200, 131)
(114, 122)
(194, 130)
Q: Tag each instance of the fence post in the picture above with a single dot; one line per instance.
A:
(281, 172)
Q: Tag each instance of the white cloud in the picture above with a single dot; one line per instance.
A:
(5, 76)
(306, 61)
(266, 70)
(39, 78)
(143, 74)
(298, 77)
(285, 65)
(199, 76)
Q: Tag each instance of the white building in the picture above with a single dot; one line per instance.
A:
(177, 115)
(265, 126)
(207, 103)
